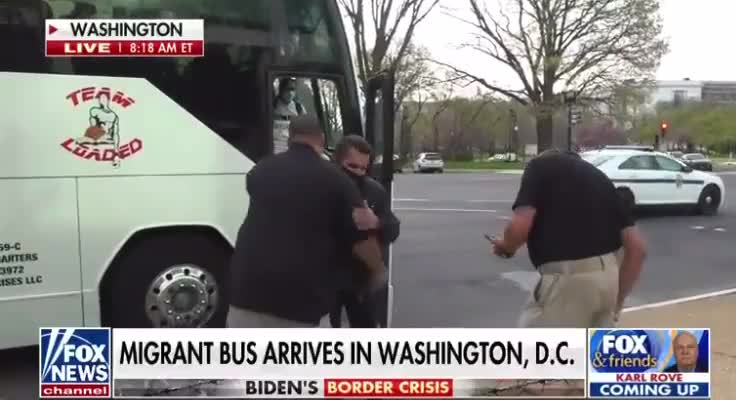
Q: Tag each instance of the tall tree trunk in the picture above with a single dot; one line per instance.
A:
(545, 130)
(436, 136)
(405, 136)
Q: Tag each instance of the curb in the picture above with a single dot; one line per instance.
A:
(681, 300)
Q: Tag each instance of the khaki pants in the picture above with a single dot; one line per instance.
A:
(574, 294)
(242, 318)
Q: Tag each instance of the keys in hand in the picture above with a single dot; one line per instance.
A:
(500, 249)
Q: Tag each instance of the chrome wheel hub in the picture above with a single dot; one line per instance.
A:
(182, 296)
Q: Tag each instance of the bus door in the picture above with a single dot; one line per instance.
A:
(380, 134)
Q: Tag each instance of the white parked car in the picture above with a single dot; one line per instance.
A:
(511, 157)
(648, 178)
(428, 162)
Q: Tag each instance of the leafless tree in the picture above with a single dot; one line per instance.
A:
(415, 76)
(442, 98)
(587, 47)
(415, 79)
(391, 24)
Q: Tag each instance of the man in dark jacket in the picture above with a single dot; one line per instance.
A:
(353, 154)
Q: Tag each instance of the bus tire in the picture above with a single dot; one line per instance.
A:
(165, 276)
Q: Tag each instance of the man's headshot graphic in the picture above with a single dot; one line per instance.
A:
(685, 348)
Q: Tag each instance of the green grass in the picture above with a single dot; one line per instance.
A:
(481, 165)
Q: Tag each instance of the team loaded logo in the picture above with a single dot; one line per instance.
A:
(101, 139)
(74, 362)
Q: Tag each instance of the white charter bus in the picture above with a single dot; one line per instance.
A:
(122, 179)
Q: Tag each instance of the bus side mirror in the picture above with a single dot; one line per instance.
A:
(379, 120)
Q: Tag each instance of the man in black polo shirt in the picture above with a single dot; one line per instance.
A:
(303, 212)
(568, 213)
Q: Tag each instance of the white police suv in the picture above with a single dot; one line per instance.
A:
(644, 177)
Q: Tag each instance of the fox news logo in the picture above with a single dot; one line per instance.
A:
(74, 362)
(624, 351)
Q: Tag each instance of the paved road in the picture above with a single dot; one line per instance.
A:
(444, 275)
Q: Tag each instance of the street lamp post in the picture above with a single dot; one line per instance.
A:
(569, 101)
(514, 128)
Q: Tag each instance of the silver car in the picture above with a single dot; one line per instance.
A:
(428, 162)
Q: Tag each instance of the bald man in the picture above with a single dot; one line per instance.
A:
(685, 347)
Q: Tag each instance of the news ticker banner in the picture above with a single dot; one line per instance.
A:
(124, 38)
(365, 363)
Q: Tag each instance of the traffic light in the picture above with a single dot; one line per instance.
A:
(663, 128)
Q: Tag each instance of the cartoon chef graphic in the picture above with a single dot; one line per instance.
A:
(104, 127)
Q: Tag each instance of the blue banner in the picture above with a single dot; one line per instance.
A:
(649, 390)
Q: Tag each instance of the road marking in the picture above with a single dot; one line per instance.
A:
(701, 228)
(680, 300)
(453, 200)
(444, 209)
(525, 280)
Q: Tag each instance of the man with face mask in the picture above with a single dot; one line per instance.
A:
(353, 154)
(285, 107)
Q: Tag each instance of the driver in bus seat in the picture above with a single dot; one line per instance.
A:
(285, 106)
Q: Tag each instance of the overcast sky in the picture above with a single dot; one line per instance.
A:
(701, 35)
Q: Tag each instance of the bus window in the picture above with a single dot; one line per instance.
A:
(330, 100)
(297, 96)
(312, 35)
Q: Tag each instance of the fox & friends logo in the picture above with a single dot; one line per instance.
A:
(649, 363)
(74, 362)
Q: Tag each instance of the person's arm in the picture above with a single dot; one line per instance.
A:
(364, 245)
(389, 225)
(634, 252)
(250, 180)
(525, 208)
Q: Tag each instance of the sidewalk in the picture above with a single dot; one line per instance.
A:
(717, 313)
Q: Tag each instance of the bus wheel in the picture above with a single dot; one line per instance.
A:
(172, 280)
